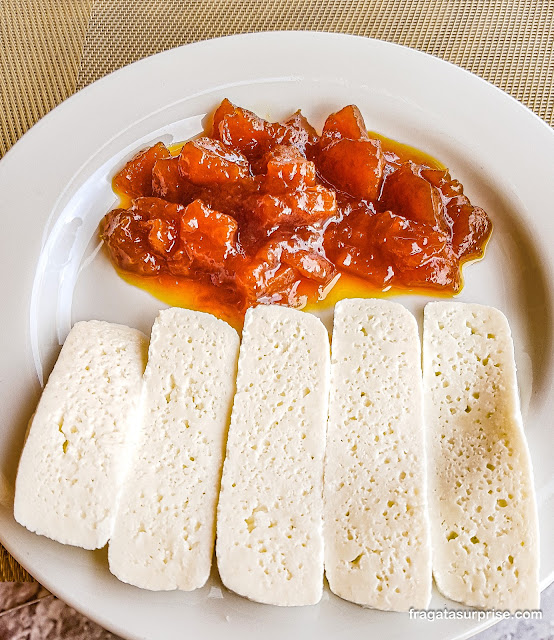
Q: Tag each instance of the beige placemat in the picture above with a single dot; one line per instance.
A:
(508, 42)
(49, 47)
(10, 570)
(41, 42)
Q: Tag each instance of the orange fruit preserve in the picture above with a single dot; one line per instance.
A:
(255, 212)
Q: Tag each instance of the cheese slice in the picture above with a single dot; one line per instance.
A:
(483, 512)
(165, 527)
(377, 541)
(80, 437)
(269, 528)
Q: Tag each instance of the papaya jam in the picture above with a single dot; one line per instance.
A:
(254, 212)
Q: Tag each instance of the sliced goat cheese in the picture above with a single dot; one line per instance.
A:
(165, 526)
(377, 541)
(269, 529)
(483, 512)
(81, 435)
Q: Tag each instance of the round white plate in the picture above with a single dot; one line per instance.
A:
(55, 188)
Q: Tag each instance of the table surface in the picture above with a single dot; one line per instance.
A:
(51, 48)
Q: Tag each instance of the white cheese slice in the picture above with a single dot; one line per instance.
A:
(483, 512)
(269, 528)
(80, 437)
(165, 527)
(377, 541)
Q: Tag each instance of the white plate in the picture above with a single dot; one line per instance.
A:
(55, 187)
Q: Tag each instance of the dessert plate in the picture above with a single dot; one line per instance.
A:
(55, 186)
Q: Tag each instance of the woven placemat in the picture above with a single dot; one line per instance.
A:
(508, 42)
(50, 47)
(41, 42)
(12, 571)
